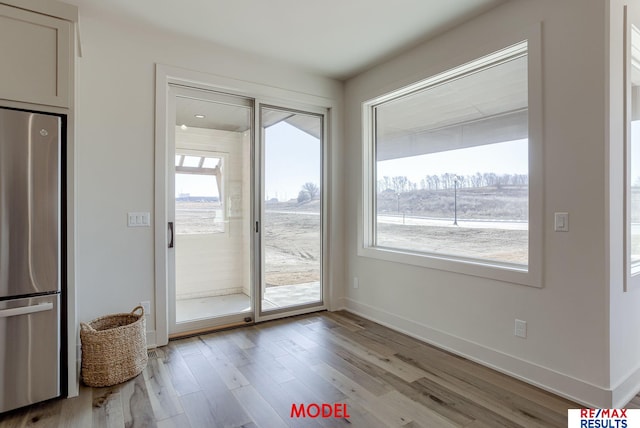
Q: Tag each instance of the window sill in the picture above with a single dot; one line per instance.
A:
(504, 272)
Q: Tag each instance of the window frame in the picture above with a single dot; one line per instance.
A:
(530, 274)
(631, 26)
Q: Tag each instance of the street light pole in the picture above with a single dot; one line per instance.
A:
(455, 201)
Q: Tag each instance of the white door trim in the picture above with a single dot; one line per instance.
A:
(166, 75)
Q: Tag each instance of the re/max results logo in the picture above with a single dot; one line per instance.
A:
(604, 418)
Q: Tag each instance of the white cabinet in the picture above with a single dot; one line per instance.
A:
(37, 63)
(35, 57)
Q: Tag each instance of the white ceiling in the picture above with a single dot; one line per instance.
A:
(335, 38)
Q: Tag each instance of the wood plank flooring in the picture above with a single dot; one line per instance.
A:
(250, 377)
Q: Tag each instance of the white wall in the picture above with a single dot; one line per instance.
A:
(624, 314)
(115, 154)
(568, 319)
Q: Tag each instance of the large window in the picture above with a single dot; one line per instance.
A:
(448, 165)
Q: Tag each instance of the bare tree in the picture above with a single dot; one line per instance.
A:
(311, 189)
(303, 196)
(490, 178)
(476, 180)
(309, 192)
(387, 182)
(436, 181)
(400, 183)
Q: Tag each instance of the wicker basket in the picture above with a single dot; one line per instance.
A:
(114, 348)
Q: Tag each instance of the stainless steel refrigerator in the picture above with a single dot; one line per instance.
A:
(30, 257)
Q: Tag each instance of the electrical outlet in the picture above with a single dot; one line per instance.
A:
(356, 284)
(146, 305)
(520, 329)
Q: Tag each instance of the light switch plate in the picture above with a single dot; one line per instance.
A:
(139, 219)
(520, 329)
(561, 222)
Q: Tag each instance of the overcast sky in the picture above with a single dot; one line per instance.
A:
(292, 158)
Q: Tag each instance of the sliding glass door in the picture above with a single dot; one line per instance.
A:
(292, 148)
(210, 205)
(244, 210)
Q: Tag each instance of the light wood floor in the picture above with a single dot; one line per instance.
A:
(250, 377)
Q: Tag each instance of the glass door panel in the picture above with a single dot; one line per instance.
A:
(212, 211)
(292, 210)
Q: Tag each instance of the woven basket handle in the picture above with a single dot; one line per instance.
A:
(133, 312)
(86, 327)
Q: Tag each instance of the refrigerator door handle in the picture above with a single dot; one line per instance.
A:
(5, 313)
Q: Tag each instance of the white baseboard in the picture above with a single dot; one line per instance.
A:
(627, 389)
(151, 339)
(340, 304)
(558, 383)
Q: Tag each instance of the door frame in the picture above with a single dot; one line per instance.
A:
(262, 94)
(260, 314)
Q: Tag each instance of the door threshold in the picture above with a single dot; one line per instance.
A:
(182, 335)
